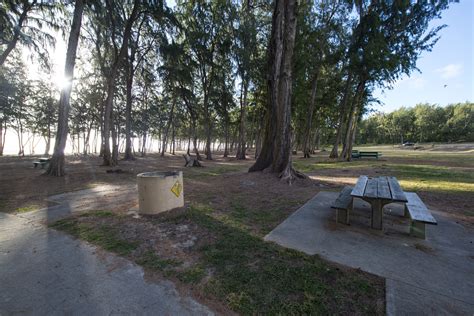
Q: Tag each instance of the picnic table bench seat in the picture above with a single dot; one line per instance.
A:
(42, 162)
(343, 204)
(419, 214)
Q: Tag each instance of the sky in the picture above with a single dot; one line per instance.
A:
(446, 73)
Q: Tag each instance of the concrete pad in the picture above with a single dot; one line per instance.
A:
(46, 272)
(432, 276)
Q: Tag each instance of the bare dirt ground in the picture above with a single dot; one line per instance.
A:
(224, 181)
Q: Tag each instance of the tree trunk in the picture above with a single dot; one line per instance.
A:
(173, 140)
(128, 111)
(353, 117)
(276, 149)
(208, 129)
(342, 112)
(226, 136)
(258, 144)
(188, 151)
(3, 131)
(241, 155)
(87, 138)
(312, 102)
(143, 149)
(168, 124)
(108, 158)
(317, 139)
(48, 141)
(107, 155)
(115, 142)
(56, 165)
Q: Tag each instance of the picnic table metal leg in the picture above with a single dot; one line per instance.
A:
(377, 214)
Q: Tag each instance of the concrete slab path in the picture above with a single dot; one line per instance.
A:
(423, 277)
(46, 272)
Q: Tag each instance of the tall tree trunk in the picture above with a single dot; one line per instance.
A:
(167, 129)
(108, 123)
(94, 141)
(188, 151)
(276, 150)
(48, 141)
(208, 128)
(195, 138)
(102, 134)
(173, 140)
(241, 149)
(143, 149)
(342, 111)
(352, 121)
(87, 138)
(317, 138)
(128, 111)
(312, 102)
(3, 131)
(107, 155)
(115, 140)
(226, 136)
(56, 166)
(258, 144)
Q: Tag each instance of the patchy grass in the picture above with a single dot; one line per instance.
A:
(240, 270)
(312, 165)
(26, 209)
(433, 178)
(256, 219)
(213, 171)
(192, 275)
(101, 235)
(151, 261)
(424, 174)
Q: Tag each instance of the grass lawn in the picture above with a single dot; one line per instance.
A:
(452, 173)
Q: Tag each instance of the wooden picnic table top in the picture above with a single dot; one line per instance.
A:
(384, 188)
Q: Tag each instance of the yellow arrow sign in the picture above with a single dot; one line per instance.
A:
(177, 189)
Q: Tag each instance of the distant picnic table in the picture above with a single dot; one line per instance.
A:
(378, 192)
(366, 154)
(42, 162)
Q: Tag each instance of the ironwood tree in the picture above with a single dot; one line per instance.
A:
(276, 149)
(56, 166)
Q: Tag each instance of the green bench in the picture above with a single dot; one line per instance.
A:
(366, 154)
(42, 162)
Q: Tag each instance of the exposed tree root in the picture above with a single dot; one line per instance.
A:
(290, 174)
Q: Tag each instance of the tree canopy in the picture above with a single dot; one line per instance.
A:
(220, 76)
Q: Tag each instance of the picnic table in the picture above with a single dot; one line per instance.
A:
(42, 162)
(366, 154)
(378, 192)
